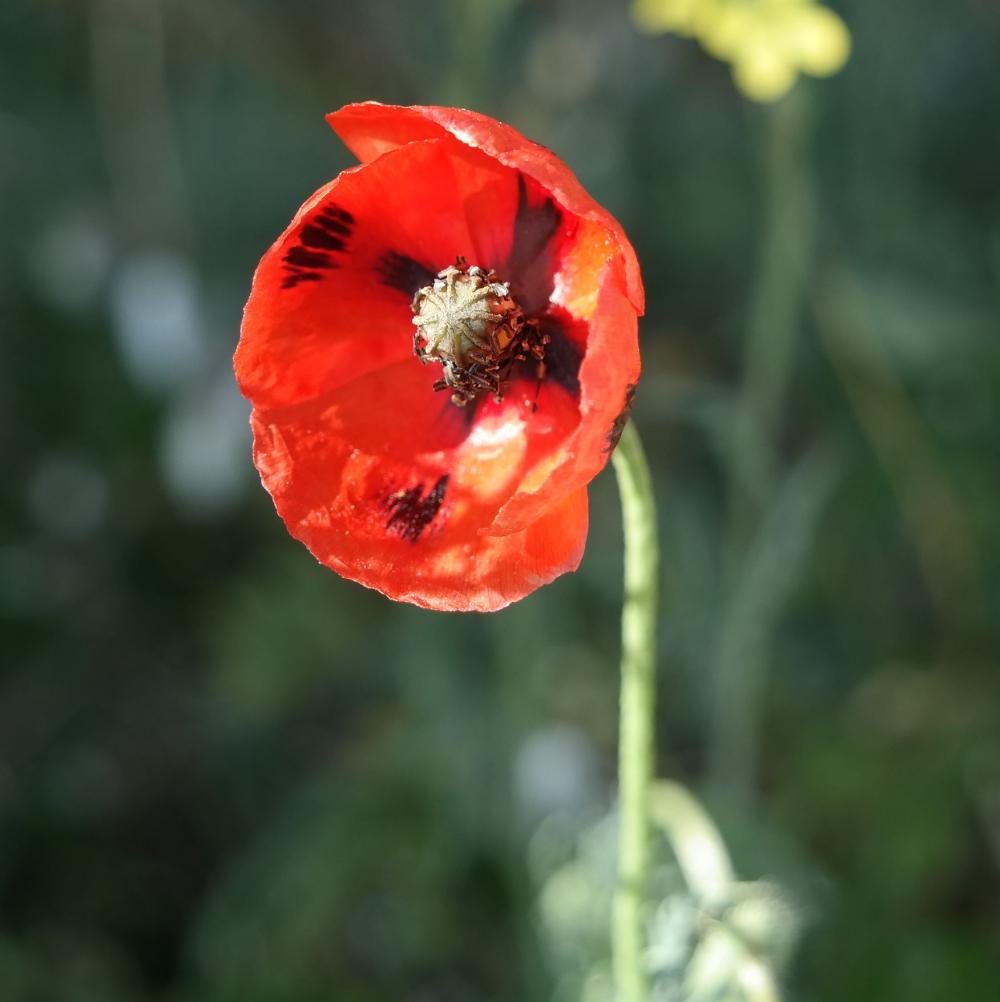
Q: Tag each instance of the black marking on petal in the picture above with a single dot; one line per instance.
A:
(534, 227)
(460, 417)
(332, 211)
(293, 278)
(299, 257)
(529, 267)
(403, 273)
(469, 412)
(618, 425)
(563, 354)
(326, 233)
(411, 511)
(321, 237)
(335, 219)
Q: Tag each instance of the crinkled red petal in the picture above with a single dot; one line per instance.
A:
(608, 375)
(591, 277)
(385, 461)
(370, 129)
(384, 479)
(409, 526)
(331, 298)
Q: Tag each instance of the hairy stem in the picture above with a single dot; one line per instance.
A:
(638, 698)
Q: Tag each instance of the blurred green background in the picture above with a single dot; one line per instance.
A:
(227, 774)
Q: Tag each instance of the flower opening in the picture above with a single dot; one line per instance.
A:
(378, 472)
(467, 321)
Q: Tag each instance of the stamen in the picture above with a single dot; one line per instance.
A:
(468, 321)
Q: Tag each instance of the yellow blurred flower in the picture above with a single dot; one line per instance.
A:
(679, 16)
(766, 42)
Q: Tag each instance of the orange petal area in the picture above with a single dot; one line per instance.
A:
(578, 281)
(530, 428)
(408, 525)
(320, 311)
(370, 130)
(608, 374)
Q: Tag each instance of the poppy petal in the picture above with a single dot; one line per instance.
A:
(370, 129)
(331, 298)
(396, 525)
(608, 375)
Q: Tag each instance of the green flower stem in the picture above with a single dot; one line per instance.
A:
(638, 699)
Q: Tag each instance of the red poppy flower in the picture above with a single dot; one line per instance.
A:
(460, 483)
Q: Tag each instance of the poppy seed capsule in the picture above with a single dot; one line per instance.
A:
(467, 321)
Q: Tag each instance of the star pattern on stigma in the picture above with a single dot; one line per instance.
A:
(467, 321)
(441, 351)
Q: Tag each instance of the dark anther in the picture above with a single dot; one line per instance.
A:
(467, 321)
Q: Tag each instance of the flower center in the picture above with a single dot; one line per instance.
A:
(467, 321)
